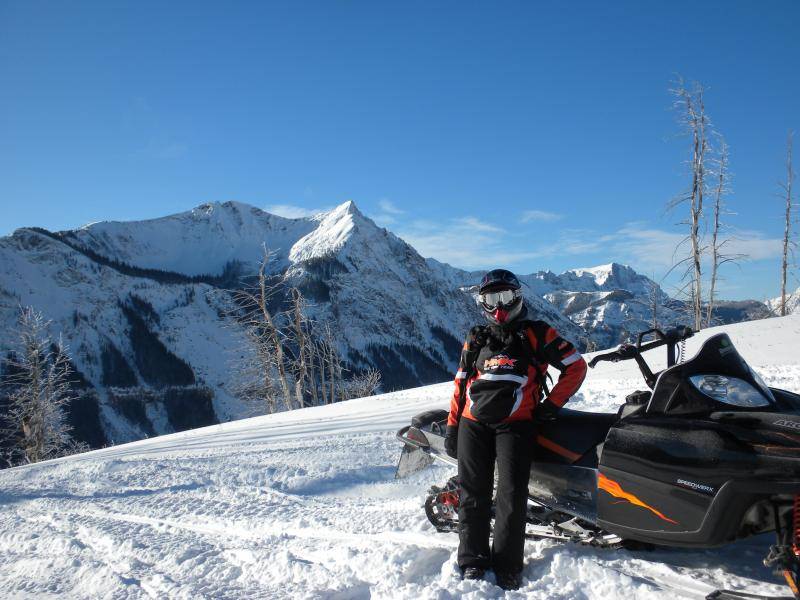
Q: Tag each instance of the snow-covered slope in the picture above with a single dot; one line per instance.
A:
(305, 505)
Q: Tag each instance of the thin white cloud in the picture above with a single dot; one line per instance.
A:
(576, 242)
(384, 220)
(389, 207)
(754, 246)
(466, 243)
(475, 224)
(471, 243)
(540, 215)
(647, 249)
(291, 211)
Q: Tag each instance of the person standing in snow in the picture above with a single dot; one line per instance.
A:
(493, 416)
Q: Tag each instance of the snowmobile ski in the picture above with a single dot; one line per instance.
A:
(733, 595)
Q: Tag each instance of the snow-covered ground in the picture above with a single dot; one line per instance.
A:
(305, 505)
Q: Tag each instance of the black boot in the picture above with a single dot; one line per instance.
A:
(508, 581)
(473, 573)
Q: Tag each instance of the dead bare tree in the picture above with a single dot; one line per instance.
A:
(332, 363)
(321, 355)
(718, 258)
(363, 385)
(38, 374)
(693, 118)
(653, 302)
(263, 373)
(303, 363)
(253, 372)
(787, 231)
(286, 356)
(271, 332)
(685, 311)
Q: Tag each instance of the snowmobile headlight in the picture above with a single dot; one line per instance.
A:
(730, 390)
(764, 387)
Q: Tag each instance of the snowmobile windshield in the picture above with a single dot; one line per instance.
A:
(717, 378)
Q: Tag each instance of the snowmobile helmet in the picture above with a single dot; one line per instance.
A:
(500, 296)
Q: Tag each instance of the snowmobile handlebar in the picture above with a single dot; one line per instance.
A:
(629, 351)
(670, 338)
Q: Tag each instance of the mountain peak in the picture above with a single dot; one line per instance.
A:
(229, 207)
(333, 231)
(603, 273)
(344, 209)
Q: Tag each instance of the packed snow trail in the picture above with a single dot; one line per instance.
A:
(305, 505)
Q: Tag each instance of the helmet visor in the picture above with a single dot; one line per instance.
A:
(492, 300)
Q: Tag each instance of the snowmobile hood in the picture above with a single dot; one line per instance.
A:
(716, 379)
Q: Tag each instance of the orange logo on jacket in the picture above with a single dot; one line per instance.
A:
(501, 361)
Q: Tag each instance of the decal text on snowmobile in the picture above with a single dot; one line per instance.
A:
(696, 486)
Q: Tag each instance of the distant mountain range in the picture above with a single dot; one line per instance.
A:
(142, 306)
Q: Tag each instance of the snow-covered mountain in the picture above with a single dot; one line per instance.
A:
(792, 303)
(202, 241)
(609, 302)
(613, 302)
(142, 306)
(304, 504)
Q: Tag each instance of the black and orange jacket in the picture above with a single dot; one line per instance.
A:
(504, 386)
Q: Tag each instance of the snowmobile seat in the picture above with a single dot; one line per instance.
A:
(431, 420)
(573, 436)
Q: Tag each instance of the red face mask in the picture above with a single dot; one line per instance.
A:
(500, 315)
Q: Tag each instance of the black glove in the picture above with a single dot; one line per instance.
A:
(546, 412)
(500, 337)
(477, 337)
(451, 441)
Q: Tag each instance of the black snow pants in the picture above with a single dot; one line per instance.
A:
(479, 445)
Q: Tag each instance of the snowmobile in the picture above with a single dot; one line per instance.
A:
(707, 455)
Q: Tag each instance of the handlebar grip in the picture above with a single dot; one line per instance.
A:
(609, 356)
(681, 332)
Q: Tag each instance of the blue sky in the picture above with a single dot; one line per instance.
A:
(530, 135)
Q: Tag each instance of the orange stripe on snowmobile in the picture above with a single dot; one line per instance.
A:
(615, 489)
(553, 447)
(789, 576)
